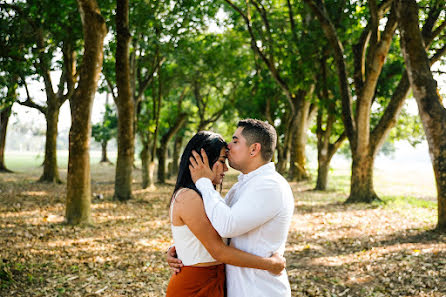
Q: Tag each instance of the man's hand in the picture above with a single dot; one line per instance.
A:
(200, 166)
(175, 264)
(278, 264)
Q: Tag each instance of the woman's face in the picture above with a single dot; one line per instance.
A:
(219, 168)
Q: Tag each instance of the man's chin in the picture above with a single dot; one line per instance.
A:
(233, 166)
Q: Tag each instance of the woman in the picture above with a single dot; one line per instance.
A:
(198, 245)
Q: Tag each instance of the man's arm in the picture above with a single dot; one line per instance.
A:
(193, 215)
(249, 212)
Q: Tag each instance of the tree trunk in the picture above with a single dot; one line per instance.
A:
(176, 155)
(323, 166)
(78, 209)
(361, 188)
(282, 160)
(283, 149)
(297, 170)
(325, 149)
(4, 119)
(162, 151)
(162, 157)
(147, 174)
(325, 153)
(104, 158)
(424, 87)
(50, 172)
(125, 106)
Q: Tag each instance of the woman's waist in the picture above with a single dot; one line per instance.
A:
(206, 264)
(193, 254)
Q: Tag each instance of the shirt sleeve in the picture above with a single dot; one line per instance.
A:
(250, 211)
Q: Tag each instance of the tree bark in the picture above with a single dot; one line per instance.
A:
(297, 171)
(325, 149)
(162, 151)
(283, 152)
(4, 119)
(125, 106)
(147, 175)
(362, 180)
(323, 167)
(50, 171)
(5, 113)
(176, 155)
(104, 158)
(424, 87)
(78, 208)
(283, 149)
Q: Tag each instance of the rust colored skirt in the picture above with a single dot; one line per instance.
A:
(195, 281)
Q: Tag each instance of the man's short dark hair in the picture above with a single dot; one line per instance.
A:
(256, 131)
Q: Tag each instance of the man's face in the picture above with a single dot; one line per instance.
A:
(239, 154)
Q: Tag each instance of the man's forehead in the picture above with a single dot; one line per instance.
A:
(238, 133)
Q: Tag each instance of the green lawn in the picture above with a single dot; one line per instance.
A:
(22, 161)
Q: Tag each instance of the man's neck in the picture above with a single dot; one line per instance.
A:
(253, 166)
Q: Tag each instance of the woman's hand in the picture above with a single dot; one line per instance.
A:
(278, 263)
(175, 264)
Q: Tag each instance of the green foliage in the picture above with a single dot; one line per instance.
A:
(107, 129)
(409, 128)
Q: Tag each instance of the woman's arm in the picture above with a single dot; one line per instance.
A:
(189, 206)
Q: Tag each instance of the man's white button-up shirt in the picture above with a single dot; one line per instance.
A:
(256, 215)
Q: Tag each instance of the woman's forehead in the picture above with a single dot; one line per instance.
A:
(223, 153)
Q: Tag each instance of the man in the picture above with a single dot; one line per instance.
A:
(257, 211)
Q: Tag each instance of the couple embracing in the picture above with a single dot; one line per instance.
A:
(246, 230)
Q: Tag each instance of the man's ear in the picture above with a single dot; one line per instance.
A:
(255, 149)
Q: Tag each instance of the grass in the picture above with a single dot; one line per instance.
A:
(23, 161)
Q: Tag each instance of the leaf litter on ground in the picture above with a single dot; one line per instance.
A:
(333, 249)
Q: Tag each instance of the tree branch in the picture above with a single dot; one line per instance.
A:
(29, 102)
(346, 97)
(69, 56)
(269, 64)
(261, 9)
(392, 111)
(111, 88)
(148, 80)
(438, 54)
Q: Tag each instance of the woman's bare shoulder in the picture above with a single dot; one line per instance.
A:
(187, 195)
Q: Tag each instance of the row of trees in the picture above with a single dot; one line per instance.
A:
(340, 68)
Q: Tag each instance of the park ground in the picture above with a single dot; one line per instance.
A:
(333, 249)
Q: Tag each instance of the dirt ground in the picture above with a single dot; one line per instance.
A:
(333, 249)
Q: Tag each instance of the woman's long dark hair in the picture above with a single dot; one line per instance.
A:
(212, 143)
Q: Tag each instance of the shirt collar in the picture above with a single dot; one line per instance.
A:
(268, 167)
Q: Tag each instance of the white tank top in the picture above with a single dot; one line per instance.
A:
(189, 249)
